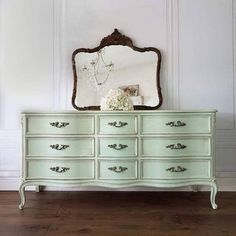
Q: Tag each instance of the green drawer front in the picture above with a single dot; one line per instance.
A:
(117, 147)
(117, 170)
(175, 169)
(175, 124)
(56, 169)
(60, 125)
(118, 124)
(77, 147)
(190, 146)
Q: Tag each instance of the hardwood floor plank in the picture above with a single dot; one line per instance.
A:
(117, 214)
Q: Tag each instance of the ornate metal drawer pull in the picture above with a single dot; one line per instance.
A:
(176, 169)
(59, 169)
(120, 146)
(120, 124)
(59, 124)
(176, 124)
(176, 146)
(59, 147)
(120, 169)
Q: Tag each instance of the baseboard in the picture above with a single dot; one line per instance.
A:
(9, 183)
(224, 184)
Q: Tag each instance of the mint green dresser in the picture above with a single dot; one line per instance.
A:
(119, 149)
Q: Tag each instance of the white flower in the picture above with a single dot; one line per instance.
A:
(116, 100)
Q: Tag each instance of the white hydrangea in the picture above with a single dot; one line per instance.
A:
(116, 100)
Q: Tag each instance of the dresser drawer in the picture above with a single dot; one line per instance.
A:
(117, 124)
(175, 169)
(161, 146)
(115, 170)
(117, 147)
(60, 169)
(175, 124)
(59, 125)
(77, 147)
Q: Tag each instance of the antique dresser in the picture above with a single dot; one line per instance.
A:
(119, 149)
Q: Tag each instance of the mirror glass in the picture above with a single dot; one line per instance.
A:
(116, 67)
(116, 63)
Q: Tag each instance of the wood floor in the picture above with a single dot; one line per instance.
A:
(117, 213)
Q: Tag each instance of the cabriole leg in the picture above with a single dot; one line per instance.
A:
(213, 195)
(22, 196)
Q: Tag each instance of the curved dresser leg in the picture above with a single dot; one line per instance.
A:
(213, 195)
(22, 195)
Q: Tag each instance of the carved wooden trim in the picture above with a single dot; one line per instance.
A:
(116, 38)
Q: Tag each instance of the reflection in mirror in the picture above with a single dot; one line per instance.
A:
(134, 70)
(116, 67)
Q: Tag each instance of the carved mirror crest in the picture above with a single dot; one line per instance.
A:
(116, 63)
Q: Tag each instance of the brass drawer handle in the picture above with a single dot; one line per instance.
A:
(114, 146)
(59, 169)
(119, 170)
(59, 147)
(176, 169)
(119, 125)
(176, 146)
(176, 124)
(59, 124)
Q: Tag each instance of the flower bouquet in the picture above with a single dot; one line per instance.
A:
(116, 100)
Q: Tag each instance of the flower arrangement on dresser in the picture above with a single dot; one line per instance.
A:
(116, 100)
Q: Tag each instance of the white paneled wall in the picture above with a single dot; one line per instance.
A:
(206, 58)
(196, 38)
(26, 81)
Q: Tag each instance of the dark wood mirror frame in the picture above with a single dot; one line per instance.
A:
(116, 38)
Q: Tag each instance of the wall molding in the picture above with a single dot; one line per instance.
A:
(2, 54)
(225, 131)
(60, 80)
(10, 139)
(234, 58)
(173, 99)
(8, 172)
(57, 55)
(173, 53)
(66, 104)
(225, 140)
(9, 183)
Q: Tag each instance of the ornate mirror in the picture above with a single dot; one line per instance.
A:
(116, 63)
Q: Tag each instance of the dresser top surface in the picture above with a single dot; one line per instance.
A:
(116, 112)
